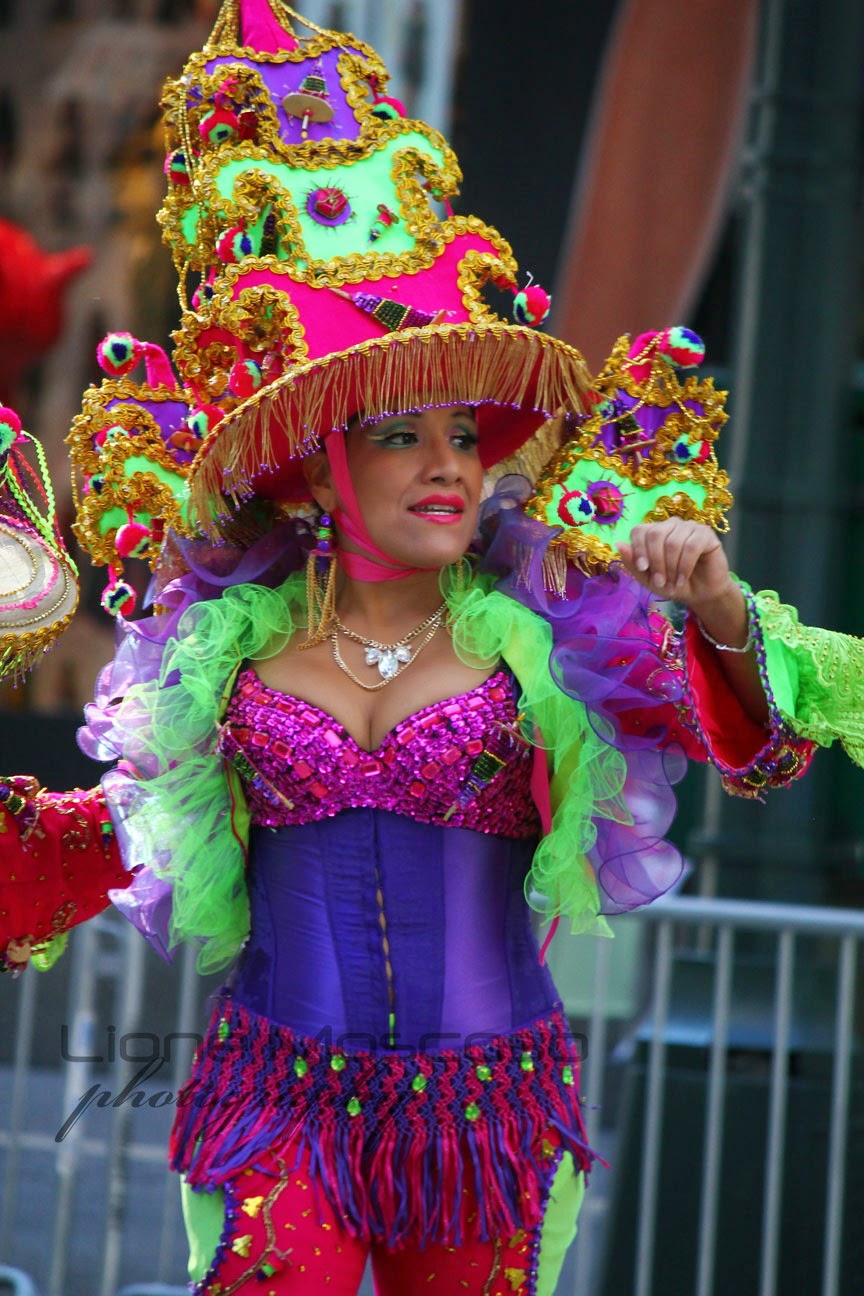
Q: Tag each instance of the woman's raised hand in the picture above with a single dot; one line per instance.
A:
(678, 559)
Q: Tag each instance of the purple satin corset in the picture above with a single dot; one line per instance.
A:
(375, 931)
(459, 762)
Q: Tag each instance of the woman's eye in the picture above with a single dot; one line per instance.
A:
(398, 436)
(465, 437)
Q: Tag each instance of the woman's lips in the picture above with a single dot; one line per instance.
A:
(442, 509)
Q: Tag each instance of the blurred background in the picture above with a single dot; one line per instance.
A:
(652, 162)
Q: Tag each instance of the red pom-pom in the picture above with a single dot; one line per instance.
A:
(531, 306)
(118, 598)
(119, 353)
(219, 126)
(233, 245)
(245, 378)
(133, 540)
(10, 430)
(202, 420)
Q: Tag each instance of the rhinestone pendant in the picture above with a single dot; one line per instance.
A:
(389, 660)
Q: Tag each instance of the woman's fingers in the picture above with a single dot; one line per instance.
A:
(664, 555)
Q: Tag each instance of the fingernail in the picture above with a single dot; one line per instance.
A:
(659, 580)
(641, 564)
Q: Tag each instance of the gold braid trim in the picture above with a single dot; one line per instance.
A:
(261, 184)
(508, 364)
(19, 653)
(264, 317)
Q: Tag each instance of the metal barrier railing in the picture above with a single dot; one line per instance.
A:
(679, 925)
(623, 990)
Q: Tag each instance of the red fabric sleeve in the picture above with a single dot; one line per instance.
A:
(58, 860)
(751, 757)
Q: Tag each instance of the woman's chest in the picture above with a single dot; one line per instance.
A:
(461, 761)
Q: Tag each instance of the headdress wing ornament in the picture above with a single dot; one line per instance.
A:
(38, 580)
(645, 452)
(321, 273)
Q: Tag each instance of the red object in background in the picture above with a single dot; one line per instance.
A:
(33, 285)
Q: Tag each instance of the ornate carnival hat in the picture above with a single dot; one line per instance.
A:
(645, 452)
(322, 274)
(38, 580)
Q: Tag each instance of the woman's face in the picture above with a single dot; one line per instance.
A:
(418, 478)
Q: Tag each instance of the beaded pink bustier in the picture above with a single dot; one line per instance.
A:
(460, 762)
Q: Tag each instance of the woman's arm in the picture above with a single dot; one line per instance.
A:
(725, 667)
(685, 561)
(58, 861)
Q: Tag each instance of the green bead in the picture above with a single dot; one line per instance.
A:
(567, 1075)
(301, 1066)
(267, 1270)
(418, 1084)
(337, 1062)
(472, 1111)
(223, 1030)
(353, 1106)
(526, 1062)
(484, 1072)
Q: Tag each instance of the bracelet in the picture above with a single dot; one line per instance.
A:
(726, 647)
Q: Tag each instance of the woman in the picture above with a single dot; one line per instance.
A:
(339, 751)
(390, 960)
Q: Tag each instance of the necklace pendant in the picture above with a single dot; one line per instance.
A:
(391, 659)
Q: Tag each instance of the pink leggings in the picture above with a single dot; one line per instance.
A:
(278, 1237)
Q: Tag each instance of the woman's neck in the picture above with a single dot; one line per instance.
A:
(385, 609)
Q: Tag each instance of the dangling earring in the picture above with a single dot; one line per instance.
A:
(321, 585)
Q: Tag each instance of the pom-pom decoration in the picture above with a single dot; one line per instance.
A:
(203, 420)
(388, 109)
(233, 245)
(531, 306)
(219, 126)
(119, 353)
(10, 430)
(682, 346)
(133, 540)
(202, 295)
(177, 167)
(679, 346)
(118, 597)
(684, 450)
(576, 508)
(245, 378)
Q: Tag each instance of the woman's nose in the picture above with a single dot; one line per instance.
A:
(442, 461)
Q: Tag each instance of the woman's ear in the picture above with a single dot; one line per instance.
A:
(319, 479)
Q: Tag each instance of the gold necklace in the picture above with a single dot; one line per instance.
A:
(391, 659)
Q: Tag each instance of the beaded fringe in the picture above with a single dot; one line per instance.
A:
(504, 365)
(391, 1137)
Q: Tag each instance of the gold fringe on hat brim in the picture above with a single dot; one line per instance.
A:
(517, 370)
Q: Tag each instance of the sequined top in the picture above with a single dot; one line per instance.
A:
(460, 762)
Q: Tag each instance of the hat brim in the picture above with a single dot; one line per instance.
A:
(515, 377)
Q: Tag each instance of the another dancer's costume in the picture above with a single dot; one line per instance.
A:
(390, 1046)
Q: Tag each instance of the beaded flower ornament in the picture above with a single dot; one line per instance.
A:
(321, 274)
(38, 580)
(644, 453)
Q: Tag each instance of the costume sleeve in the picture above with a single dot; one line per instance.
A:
(816, 676)
(751, 757)
(58, 860)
